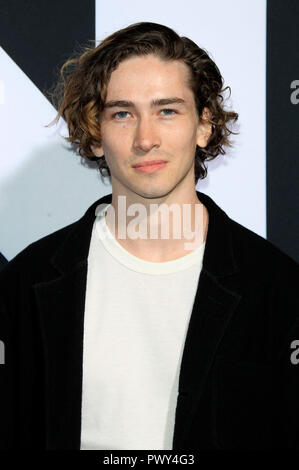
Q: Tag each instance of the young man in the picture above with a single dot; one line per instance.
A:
(118, 341)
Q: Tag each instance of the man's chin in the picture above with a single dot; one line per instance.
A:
(154, 193)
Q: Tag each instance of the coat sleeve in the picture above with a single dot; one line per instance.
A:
(286, 354)
(22, 404)
(8, 304)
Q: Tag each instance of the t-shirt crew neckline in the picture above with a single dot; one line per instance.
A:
(137, 264)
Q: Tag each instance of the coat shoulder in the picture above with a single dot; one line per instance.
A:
(257, 255)
(36, 255)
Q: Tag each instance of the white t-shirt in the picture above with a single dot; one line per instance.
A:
(136, 318)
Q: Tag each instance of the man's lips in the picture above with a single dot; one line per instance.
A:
(149, 163)
(150, 167)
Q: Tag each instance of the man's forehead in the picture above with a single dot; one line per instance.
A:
(145, 80)
(149, 70)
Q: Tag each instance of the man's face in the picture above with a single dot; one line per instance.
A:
(148, 129)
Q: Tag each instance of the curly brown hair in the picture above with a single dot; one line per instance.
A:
(81, 89)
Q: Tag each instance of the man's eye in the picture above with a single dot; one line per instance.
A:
(119, 113)
(169, 111)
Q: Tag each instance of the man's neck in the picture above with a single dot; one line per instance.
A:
(156, 233)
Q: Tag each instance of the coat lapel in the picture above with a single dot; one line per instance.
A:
(212, 311)
(61, 303)
(213, 308)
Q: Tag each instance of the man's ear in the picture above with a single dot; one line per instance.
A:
(204, 129)
(97, 150)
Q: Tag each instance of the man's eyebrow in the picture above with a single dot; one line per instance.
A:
(155, 102)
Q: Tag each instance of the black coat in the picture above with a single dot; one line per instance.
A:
(3, 261)
(238, 388)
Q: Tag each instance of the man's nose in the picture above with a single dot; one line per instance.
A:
(146, 135)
